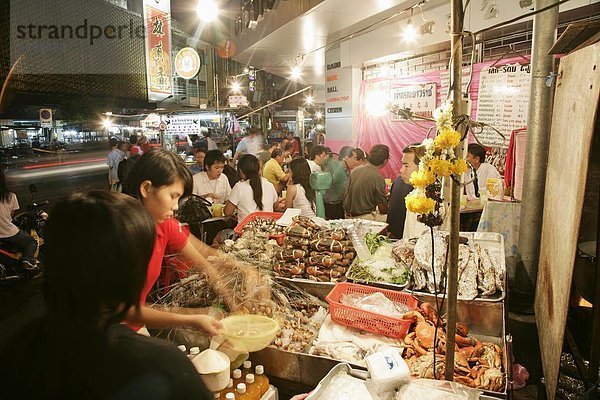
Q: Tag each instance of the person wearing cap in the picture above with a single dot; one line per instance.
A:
(366, 197)
(251, 144)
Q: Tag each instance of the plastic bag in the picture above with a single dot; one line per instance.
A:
(375, 303)
(429, 389)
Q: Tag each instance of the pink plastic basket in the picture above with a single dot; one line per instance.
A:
(366, 320)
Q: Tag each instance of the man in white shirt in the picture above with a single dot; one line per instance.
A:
(483, 171)
(316, 158)
(251, 144)
(211, 183)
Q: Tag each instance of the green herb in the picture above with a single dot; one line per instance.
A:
(374, 240)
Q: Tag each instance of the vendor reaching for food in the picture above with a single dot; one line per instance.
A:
(159, 179)
(98, 245)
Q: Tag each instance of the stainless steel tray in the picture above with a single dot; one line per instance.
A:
(317, 289)
(494, 242)
(380, 284)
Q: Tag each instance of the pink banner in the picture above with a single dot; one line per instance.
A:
(399, 134)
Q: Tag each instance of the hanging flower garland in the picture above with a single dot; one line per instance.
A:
(437, 162)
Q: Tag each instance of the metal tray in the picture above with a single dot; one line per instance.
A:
(362, 225)
(383, 285)
(317, 289)
(486, 322)
(491, 241)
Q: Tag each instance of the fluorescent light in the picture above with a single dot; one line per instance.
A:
(207, 10)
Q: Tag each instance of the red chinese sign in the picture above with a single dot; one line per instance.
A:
(158, 53)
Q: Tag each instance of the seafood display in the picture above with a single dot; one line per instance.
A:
(476, 364)
(481, 272)
(267, 226)
(382, 267)
(314, 253)
(253, 247)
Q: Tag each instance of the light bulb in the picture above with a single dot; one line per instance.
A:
(410, 33)
(376, 103)
(207, 10)
(318, 115)
(296, 72)
(309, 99)
(235, 86)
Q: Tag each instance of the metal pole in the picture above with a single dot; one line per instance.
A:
(275, 102)
(458, 109)
(536, 159)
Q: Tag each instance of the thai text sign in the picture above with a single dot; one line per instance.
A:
(421, 99)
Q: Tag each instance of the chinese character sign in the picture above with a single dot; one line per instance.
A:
(158, 49)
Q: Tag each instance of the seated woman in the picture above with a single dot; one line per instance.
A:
(98, 246)
(299, 192)
(9, 232)
(253, 193)
(211, 183)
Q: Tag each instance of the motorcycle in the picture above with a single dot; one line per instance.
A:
(32, 221)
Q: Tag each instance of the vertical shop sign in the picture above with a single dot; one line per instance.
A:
(157, 17)
(421, 99)
(338, 100)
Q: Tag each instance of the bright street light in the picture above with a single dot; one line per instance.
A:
(235, 87)
(207, 10)
(296, 72)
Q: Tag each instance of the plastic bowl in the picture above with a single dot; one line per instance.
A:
(249, 332)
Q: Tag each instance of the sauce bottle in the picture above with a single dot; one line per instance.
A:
(240, 392)
(237, 377)
(261, 379)
(252, 388)
(194, 351)
(228, 389)
(247, 369)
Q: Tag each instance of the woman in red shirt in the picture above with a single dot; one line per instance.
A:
(159, 179)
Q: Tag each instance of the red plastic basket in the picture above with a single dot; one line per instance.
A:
(366, 320)
(239, 229)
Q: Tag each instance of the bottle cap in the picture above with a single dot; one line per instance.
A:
(247, 364)
(182, 347)
(260, 370)
(241, 388)
(237, 374)
(230, 396)
(230, 384)
(194, 351)
(250, 378)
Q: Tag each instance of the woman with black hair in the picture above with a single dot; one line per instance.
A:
(299, 192)
(98, 246)
(9, 232)
(252, 193)
(158, 180)
(211, 183)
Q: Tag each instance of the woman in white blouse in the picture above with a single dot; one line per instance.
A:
(253, 193)
(211, 183)
(299, 192)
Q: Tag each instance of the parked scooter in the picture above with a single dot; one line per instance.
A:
(32, 221)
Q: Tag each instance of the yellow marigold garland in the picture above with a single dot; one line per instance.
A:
(422, 178)
(438, 161)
